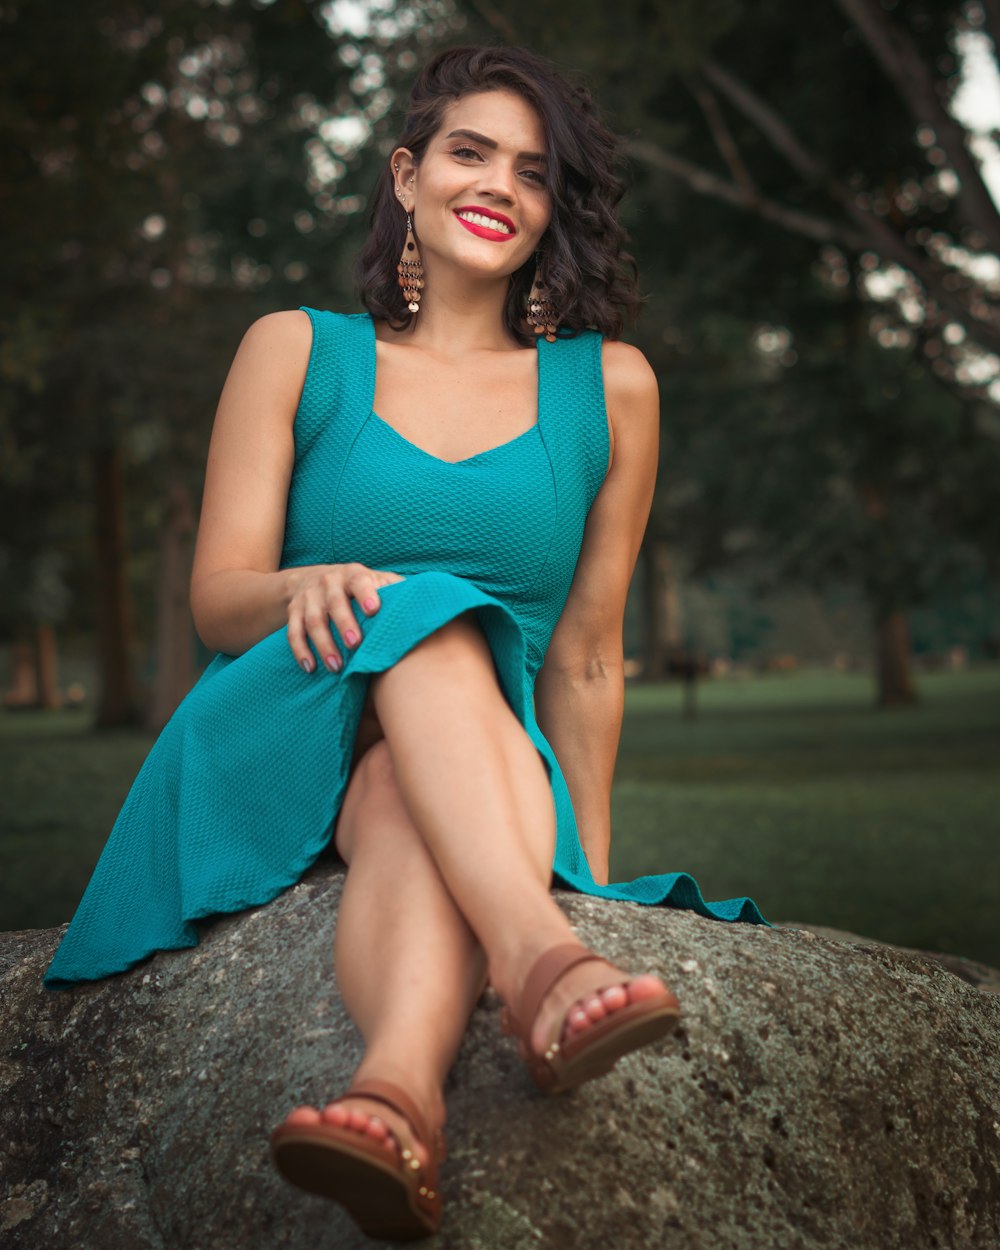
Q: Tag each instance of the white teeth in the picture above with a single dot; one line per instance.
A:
(491, 223)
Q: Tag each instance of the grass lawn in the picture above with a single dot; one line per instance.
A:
(792, 789)
(788, 788)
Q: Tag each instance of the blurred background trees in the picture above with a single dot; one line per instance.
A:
(811, 222)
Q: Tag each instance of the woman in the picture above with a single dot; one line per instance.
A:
(406, 512)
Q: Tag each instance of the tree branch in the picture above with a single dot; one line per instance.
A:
(724, 141)
(707, 183)
(767, 120)
(880, 236)
(898, 54)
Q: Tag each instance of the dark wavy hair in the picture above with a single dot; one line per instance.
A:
(582, 255)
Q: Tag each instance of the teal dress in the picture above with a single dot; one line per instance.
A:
(240, 792)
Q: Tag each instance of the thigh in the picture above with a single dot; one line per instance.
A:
(462, 633)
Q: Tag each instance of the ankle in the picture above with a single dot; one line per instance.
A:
(509, 971)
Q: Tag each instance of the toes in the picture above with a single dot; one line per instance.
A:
(586, 1012)
(595, 1008)
(370, 1126)
(614, 997)
(377, 1128)
(303, 1116)
(642, 988)
(577, 1018)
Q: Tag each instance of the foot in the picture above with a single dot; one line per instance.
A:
(372, 1159)
(371, 1119)
(581, 997)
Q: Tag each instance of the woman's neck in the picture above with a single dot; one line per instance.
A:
(458, 316)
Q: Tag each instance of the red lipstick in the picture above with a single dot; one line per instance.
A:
(485, 232)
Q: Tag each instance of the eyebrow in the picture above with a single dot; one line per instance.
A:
(492, 143)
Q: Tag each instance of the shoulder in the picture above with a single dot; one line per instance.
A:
(291, 328)
(628, 375)
(274, 352)
(632, 398)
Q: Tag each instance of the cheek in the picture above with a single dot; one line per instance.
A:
(540, 223)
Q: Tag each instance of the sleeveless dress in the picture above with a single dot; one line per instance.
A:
(239, 794)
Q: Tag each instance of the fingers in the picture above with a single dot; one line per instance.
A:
(308, 622)
(325, 598)
(363, 585)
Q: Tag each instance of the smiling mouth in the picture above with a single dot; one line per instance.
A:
(485, 224)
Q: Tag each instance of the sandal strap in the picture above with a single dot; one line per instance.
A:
(394, 1096)
(545, 972)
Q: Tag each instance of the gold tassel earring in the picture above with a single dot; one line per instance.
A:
(543, 317)
(411, 269)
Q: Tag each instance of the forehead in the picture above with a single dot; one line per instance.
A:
(503, 116)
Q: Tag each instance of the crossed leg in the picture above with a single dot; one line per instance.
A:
(448, 828)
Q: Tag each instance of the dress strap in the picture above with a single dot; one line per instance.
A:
(572, 415)
(340, 376)
(334, 405)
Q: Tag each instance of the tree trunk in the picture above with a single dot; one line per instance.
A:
(661, 608)
(46, 679)
(892, 652)
(175, 669)
(22, 689)
(118, 701)
(33, 671)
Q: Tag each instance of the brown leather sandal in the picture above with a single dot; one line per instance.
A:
(570, 1061)
(384, 1189)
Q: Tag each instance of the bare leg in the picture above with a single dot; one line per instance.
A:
(448, 828)
(477, 790)
(408, 966)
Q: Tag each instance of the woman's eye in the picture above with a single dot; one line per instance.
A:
(464, 152)
(535, 176)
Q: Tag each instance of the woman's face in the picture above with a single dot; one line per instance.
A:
(479, 196)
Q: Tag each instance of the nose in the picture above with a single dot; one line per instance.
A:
(499, 182)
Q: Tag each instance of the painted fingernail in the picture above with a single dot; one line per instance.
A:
(307, 665)
(333, 662)
(350, 638)
(370, 605)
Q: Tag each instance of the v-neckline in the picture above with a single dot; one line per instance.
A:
(478, 455)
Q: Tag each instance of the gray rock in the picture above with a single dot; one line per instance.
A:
(824, 1092)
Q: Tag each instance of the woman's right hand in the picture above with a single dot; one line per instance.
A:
(322, 594)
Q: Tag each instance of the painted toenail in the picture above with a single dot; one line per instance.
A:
(304, 1115)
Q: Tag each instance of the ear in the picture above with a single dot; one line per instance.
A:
(404, 174)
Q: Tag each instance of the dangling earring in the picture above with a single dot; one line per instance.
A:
(542, 315)
(411, 269)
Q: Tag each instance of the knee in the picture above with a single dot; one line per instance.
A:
(374, 779)
(372, 799)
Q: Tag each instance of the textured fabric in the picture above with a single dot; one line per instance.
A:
(241, 790)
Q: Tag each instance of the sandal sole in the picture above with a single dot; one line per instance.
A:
(374, 1192)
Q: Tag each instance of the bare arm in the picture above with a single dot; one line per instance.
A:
(239, 594)
(580, 690)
